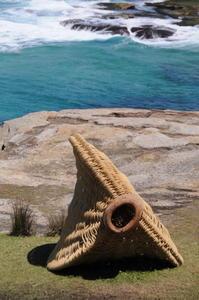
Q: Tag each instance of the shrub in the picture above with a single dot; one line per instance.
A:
(55, 224)
(22, 219)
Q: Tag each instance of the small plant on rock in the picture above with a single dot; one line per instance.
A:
(56, 224)
(22, 219)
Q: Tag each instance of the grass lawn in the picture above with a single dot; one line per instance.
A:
(21, 280)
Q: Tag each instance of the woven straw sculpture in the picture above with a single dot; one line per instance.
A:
(107, 219)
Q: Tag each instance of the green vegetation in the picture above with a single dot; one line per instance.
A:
(21, 280)
(56, 223)
(22, 219)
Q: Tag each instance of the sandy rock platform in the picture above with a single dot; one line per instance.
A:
(157, 150)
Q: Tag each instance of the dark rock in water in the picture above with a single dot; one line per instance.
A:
(130, 15)
(148, 14)
(177, 8)
(170, 12)
(70, 21)
(176, 13)
(107, 28)
(116, 6)
(145, 31)
(166, 4)
(114, 16)
(78, 24)
(150, 32)
(189, 21)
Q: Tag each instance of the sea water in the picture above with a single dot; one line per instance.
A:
(46, 66)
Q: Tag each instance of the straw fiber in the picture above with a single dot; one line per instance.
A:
(107, 219)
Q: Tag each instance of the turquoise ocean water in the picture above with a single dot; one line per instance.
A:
(46, 67)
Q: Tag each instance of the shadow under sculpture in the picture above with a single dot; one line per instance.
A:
(107, 220)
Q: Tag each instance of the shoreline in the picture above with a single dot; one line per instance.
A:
(59, 71)
(102, 108)
(157, 149)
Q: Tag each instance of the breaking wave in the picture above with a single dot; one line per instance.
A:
(27, 23)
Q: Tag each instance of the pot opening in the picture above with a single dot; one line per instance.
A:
(122, 215)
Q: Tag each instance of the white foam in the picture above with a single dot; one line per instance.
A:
(26, 23)
(184, 36)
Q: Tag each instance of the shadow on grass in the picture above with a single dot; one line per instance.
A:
(102, 270)
(38, 256)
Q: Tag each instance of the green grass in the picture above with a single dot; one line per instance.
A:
(21, 280)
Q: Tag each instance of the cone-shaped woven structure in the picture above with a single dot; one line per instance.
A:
(107, 219)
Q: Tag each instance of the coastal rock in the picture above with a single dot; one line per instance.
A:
(71, 21)
(113, 29)
(148, 14)
(116, 6)
(114, 16)
(144, 32)
(131, 15)
(157, 150)
(179, 9)
(189, 21)
(186, 7)
(150, 32)
(106, 28)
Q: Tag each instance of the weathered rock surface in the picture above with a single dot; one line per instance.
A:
(107, 28)
(157, 150)
(91, 26)
(143, 32)
(113, 16)
(150, 32)
(116, 6)
(186, 11)
(189, 21)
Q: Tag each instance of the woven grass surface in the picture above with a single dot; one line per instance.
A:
(85, 239)
(21, 280)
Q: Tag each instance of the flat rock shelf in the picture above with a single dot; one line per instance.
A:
(157, 150)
